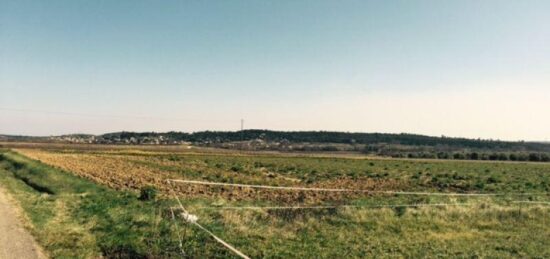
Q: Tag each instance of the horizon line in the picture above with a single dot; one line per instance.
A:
(286, 131)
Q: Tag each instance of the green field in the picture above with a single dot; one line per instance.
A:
(74, 214)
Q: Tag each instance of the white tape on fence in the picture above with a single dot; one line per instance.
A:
(228, 246)
(333, 207)
(190, 218)
(294, 188)
(533, 202)
(177, 231)
(264, 186)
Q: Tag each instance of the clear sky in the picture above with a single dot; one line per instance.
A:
(456, 68)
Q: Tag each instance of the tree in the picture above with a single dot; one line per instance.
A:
(443, 155)
(502, 157)
(523, 157)
(534, 157)
(459, 156)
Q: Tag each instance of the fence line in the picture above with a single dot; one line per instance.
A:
(193, 220)
(290, 188)
(333, 207)
(178, 230)
(533, 202)
(230, 247)
(263, 186)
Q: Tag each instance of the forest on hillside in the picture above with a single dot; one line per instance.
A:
(335, 137)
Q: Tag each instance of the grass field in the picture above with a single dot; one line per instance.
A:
(93, 196)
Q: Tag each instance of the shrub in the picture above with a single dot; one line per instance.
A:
(502, 157)
(534, 157)
(480, 185)
(173, 158)
(429, 155)
(523, 157)
(459, 156)
(442, 155)
(493, 179)
(148, 193)
(400, 211)
(236, 168)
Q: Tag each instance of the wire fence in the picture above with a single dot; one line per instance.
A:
(316, 189)
(193, 220)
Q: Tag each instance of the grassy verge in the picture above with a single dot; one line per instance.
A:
(75, 218)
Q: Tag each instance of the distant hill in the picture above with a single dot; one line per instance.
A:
(292, 137)
(22, 138)
(334, 137)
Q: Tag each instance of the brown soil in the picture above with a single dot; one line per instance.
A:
(125, 172)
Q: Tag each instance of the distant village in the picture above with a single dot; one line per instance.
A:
(92, 139)
(379, 144)
(254, 144)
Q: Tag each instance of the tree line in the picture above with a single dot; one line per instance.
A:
(531, 157)
(340, 138)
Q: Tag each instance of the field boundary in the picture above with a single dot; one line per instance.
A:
(316, 189)
(533, 202)
(335, 207)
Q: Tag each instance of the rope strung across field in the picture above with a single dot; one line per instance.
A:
(178, 231)
(335, 207)
(193, 220)
(233, 249)
(261, 186)
(533, 202)
(315, 189)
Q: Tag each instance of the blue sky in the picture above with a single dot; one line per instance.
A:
(458, 68)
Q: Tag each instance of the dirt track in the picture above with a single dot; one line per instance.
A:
(15, 242)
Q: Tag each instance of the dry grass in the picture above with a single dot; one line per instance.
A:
(486, 227)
